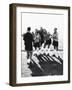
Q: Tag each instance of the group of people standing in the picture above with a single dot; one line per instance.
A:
(39, 38)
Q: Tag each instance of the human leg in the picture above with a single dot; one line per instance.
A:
(27, 54)
(30, 53)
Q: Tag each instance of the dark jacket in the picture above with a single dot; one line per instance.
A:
(28, 38)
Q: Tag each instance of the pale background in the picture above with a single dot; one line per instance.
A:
(4, 45)
(46, 21)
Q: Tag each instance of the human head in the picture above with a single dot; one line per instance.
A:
(41, 29)
(28, 29)
(36, 31)
(55, 29)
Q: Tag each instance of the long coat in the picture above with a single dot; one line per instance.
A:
(28, 38)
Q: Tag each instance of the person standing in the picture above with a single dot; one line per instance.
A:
(28, 39)
(55, 39)
(37, 40)
(48, 39)
(41, 35)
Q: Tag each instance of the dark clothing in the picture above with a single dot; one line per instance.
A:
(55, 40)
(29, 54)
(48, 42)
(37, 45)
(55, 44)
(37, 40)
(42, 38)
(28, 38)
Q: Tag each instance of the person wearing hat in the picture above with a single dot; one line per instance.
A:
(55, 39)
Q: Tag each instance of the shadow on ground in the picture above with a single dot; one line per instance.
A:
(47, 68)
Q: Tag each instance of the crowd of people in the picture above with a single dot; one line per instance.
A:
(40, 40)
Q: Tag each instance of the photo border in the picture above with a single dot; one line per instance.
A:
(12, 42)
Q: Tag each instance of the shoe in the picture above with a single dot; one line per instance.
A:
(53, 55)
(28, 61)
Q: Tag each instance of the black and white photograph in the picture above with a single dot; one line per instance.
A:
(42, 43)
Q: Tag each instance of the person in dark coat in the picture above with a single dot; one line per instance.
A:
(41, 35)
(28, 39)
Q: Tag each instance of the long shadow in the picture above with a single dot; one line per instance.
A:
(48, 67)
(51, 67)
(36, 71)
(43, 58)
(39, 57)
(59, 66)
(60, 59)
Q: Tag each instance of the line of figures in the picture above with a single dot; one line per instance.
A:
(42, 36)
(40, 40)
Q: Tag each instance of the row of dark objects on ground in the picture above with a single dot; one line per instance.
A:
(48, 67)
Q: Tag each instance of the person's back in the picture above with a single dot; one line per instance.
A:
(28, 38)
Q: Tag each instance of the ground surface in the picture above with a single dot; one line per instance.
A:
(42, 65)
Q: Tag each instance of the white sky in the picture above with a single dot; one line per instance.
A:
(47, 21)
